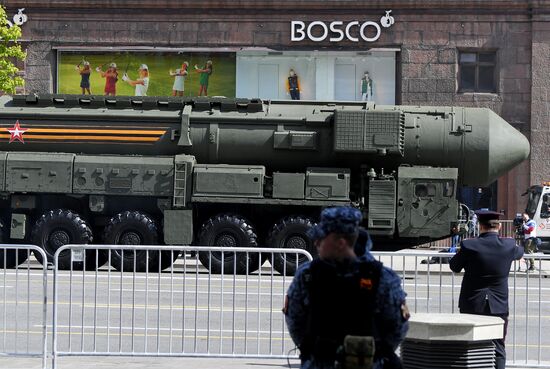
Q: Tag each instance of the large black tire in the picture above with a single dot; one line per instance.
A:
(290, 233)
(10, 258)
(134, 228)
(229, 230)
(59, 227)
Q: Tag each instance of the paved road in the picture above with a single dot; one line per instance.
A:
(149, 363)
(187, 310)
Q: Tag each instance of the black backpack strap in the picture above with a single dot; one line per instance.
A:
(308, 343)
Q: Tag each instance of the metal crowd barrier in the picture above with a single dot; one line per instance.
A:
(23, 306)
(434, 288)
(507, 230)
(187, 311)
(184, 311)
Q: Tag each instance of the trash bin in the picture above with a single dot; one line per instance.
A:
(451, 341)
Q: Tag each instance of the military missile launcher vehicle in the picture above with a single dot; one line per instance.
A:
(236, 172)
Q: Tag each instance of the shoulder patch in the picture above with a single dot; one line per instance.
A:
(366, 284)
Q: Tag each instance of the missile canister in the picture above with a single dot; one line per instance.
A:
(238, 172)
(280, 135)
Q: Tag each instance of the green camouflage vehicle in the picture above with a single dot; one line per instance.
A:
(236, 172)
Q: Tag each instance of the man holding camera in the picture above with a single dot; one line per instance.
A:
(529, 228)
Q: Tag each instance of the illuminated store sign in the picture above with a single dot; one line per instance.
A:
(337, 31)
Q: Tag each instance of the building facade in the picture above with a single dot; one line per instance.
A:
(472, 53)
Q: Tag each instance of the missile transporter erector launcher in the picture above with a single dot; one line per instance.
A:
(236, 172)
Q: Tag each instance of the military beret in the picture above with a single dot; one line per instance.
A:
(340, 219)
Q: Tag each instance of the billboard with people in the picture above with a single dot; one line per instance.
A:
(146, 73)
(269, 75)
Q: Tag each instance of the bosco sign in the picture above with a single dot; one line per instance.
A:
(337, 31)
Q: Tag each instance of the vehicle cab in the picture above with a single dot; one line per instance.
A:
(538, 208)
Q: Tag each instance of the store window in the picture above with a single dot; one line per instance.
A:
(477, 71)
(267, 74)
(317, 75)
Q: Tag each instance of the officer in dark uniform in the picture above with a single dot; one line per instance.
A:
(341, 294)
(486, 261)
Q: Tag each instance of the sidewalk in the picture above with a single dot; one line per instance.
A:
(102, 362)
(87, 362)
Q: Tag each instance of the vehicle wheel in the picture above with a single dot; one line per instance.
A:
(133, 228)
(229, 230)
(10, 258)
(290, 233)
(59, 227)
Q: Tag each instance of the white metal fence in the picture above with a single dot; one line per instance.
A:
(507, 230)
(186, 310)
(183, 311)
(23, 306)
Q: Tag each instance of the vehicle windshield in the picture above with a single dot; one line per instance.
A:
(532, 202)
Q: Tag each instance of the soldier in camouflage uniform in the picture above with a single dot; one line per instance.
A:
(345, 292)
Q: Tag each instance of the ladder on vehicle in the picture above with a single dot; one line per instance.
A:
(180, 183)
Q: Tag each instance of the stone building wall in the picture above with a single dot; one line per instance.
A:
(540, 99)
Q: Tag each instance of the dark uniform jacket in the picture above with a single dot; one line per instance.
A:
(391, 325)
(486, 261)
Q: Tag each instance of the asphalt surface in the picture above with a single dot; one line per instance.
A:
(148, 363)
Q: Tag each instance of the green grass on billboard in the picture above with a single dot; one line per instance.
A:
(221, 83)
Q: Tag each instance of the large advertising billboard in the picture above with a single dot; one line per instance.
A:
(146, 73)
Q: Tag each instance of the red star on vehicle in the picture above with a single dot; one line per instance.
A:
(17, 132)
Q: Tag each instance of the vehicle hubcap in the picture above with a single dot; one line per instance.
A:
(296, 242)
(130, 238)
(226, 240)
(59, 238)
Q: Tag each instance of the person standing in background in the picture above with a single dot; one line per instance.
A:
(530, 242)
(486, 261)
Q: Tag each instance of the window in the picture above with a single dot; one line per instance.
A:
(424, 190)
(534, 197)
(545, 207)
(449, 188)
(477, 71)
